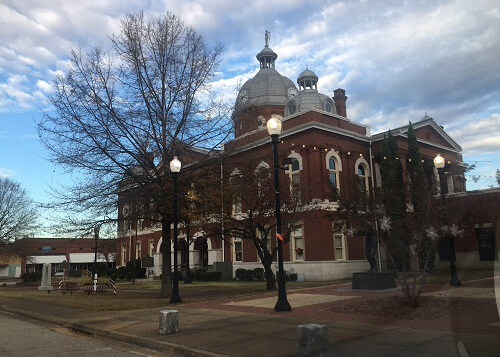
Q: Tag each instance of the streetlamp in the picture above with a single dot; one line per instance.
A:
(175, 167)
(439, 163)
(274, 130)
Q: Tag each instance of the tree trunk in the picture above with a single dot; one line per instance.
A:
(166, 286)
(270, 278)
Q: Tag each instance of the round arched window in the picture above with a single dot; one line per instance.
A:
(329, 107)
(292, 108)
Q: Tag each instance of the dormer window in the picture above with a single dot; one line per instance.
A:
(261, 121)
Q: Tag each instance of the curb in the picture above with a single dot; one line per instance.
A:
(145, 342)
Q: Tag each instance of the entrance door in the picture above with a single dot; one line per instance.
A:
(486, 243)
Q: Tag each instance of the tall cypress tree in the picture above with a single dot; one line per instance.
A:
(393, 198)
(418, 186)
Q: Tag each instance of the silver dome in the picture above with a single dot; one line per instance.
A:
(309, 99)
(268, 87)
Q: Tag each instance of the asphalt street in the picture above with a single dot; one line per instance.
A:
(24, 337)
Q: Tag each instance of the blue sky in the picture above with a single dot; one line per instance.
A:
(395, 59)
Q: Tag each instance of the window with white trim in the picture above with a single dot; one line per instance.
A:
(138, 250)
(339, 244)
(237, 206)
(237, 250)
(151, 247)
(297, 238)
(262, 235)
(333, 172)
(124, 254)
(363, 178)
(294, 175)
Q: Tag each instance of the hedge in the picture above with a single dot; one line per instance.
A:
(32, 276)
(75, 273)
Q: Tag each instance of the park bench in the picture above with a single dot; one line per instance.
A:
(70, 286)
(100, 287)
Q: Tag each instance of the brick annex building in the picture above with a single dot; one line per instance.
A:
(325, 145)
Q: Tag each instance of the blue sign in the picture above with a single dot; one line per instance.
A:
(47, 249)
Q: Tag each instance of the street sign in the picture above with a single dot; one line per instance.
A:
(147, 262)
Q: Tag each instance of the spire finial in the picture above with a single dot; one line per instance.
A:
(267, 36)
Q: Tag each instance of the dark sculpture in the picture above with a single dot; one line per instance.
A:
(370, 250)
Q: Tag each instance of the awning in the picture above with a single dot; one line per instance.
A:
(89, 257)
(45, 259)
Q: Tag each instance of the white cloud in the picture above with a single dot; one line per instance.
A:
(396, 60)
(5, 172)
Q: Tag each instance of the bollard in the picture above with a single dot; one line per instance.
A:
(169, 322)
(313, 341)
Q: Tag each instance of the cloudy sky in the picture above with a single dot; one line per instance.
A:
(395, 59)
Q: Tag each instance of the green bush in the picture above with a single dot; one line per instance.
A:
(121, 276)
(129, 276)
(75, 273)
(27, 277)
(111, 271)
(122, 270)
(243, 274)
(258, 274)
(291, 277)
(114, 276)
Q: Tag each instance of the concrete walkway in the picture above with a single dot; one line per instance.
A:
(250, 327)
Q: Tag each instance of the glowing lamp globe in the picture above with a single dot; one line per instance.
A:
(175, 165)
(439, 161)
(274, 125)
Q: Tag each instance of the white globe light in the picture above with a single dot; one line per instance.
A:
(175, 165)
(439, 161)
(274, 125)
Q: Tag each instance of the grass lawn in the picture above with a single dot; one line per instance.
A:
(145, 294)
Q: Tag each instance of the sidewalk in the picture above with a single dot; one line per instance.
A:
(250, 327)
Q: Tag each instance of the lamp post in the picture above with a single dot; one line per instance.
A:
(274, 130)
(175, 167)
(439, 163)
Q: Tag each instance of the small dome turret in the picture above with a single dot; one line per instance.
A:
(307, 79)
(309, 97)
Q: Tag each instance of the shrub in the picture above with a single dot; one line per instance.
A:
(114, 276)
(243, 274)
(196, 273)
(111, 271)
(32, 276)
(291, 277)
(122, 270)
(129, 276)
(121, 276)
(100, 268)
(75, 273)
(258, 274)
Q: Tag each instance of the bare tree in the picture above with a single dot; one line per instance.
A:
(243, 206)
(18, 214)
(120, 115)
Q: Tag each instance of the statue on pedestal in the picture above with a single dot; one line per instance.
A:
(371, 241)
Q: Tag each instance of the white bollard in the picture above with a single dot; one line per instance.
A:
(169, 322)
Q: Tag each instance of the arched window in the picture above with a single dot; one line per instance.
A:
(294, 173)
(363, 178)
(334, 166)
(363, 172)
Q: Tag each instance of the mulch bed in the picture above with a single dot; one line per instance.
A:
(430, 308)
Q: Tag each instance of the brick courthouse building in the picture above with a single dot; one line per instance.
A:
(325, 145)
